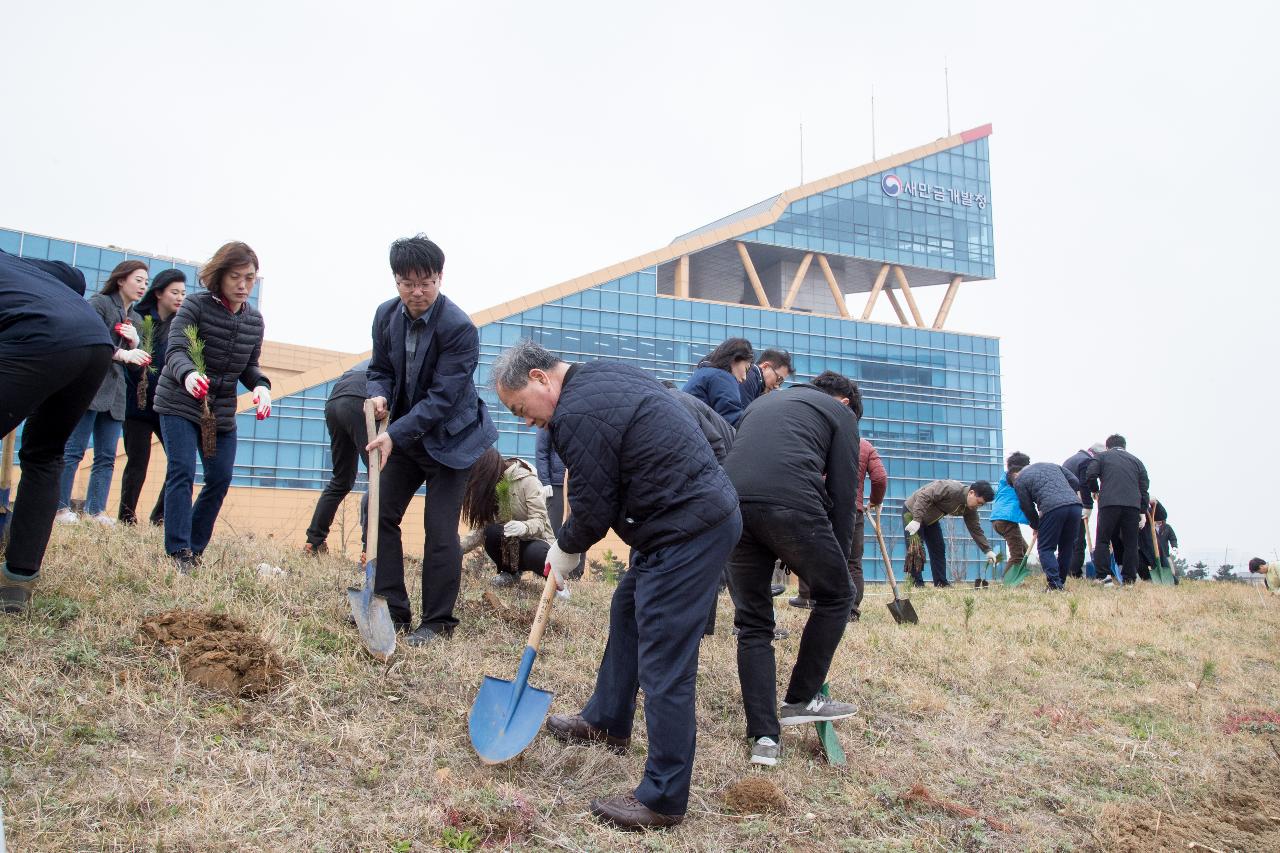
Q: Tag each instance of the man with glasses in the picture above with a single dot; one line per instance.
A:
(425, 351)
(767, 374)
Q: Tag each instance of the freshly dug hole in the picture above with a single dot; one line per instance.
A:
(179, 627)
(231, 662)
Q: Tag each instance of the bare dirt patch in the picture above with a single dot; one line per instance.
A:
(232, 662)
(179, 627)
(755, 795)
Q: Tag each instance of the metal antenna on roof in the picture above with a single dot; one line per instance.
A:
(946, 81)
(873, 121)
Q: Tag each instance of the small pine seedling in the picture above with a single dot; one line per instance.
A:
(968, 610)
(195, 348)
(1073, 604)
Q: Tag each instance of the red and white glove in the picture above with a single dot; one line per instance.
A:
(262, 399)
(132, 356)
(197, 385)
(128, 332)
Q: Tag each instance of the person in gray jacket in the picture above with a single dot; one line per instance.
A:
(105, 419)
(1050, 499)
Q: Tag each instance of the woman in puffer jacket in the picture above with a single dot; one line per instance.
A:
(504, 506)
(231, 330)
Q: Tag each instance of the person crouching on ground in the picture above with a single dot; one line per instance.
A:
(1049, 497)
(639, 464)
(795, 466)
(504, 507)
(231, 331)
(1007, 515)
(930, 503)
(1269, 571)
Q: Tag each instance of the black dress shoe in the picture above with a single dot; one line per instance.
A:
(425, 634)
(572, 728)
(800, 603)
(626, 812)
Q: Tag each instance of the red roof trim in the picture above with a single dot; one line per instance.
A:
(976, 133)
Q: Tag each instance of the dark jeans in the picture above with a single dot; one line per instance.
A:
(533, 552)
(137, 448)
(52, 401)
(104, 430)
(407, 468)
(1056, 541)
(188, 527)
(655, 631)
(1078, 554)
(855, 566)
(936, 545)
(807, 545)
(348, 436)
(1120, 522)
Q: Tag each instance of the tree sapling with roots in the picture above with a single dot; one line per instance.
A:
(147, 343)
(208, 423)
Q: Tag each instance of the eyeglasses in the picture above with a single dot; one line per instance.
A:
(417, 286)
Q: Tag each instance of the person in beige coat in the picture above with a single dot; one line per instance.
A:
(505, 508)
(930, 503)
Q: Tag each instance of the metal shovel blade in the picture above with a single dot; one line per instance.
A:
(903, 611)
(1161, 573)
(373, 619)
(1017, 573)
(507, 715)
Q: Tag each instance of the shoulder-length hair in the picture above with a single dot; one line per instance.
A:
(730, 352)
(231, 255)
(123, 270)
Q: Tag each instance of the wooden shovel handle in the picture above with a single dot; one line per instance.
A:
(884, 552)
(543, 615)
(373, 429)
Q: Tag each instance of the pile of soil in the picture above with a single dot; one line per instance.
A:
(755, 795)
(216, 651)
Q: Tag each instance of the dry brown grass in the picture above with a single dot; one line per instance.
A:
(1108, 729)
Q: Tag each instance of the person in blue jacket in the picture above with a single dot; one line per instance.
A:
(1007, 515)
(716, 379)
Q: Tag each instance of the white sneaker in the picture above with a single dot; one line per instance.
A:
(105, 520)
(66, 516)
(563, 594)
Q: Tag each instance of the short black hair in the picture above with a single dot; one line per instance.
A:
(983, 490)
(416, 256)
(1116, 440)
(730, 352)
(164, 278)
(1017, 459)
(839, 385)
(1012, 472)
(776, 357)
(1256, 564)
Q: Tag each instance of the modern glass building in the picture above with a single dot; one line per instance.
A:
(782, 273)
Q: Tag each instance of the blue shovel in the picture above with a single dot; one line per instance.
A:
(6, 483)
(507, 715)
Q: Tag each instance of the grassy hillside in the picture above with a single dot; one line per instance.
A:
(1097, 720)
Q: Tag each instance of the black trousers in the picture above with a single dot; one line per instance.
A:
(555, 508)
(936, 545)
(808, 546)
(533, 552)
(348, 436)
(855, 565)
(51, 394)
(137, 449)
(1120, 522)
(407, 468)
(1076, 569)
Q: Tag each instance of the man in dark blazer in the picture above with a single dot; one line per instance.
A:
(425, 351)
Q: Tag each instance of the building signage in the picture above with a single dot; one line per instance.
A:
(893, 186)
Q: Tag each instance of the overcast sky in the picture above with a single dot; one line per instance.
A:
(1133, 169)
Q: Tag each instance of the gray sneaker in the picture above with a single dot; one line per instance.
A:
(819, 709)
(764, 751)
(503, 579)
(15, 590)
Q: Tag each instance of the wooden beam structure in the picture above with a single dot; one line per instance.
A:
(945, 308)
(682, 277)
(836, 293)
(897, 308)
(875, 291)
(751, 274)
(794, 290)
(906, 294)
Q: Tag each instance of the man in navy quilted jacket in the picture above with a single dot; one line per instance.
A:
(641, 466)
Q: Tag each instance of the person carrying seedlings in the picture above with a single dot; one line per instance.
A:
(1270, 572)
(425, 352)
(1007, 515)
(795, 467)
(869, 465)
(1167, 538)
(1078, 464)
(157, 308)
(930, 503)
(1049, 496)
(716, 379)
(639, 464)
(54, 353)
(214, 343)
(1120, 481)
(105, 418)
(767, 374)
(504, 507)
(348, 435)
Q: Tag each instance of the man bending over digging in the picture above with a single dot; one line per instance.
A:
(664, 494)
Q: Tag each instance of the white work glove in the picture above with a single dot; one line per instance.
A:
(913, 527)
(547, 492)
(128, 332)
(132, 356)
(1142, 522)
(1085, 512)
(262, 399)
(1173, 552)
(197, 385)
(560, 564)
(515, 529)
(992, 558)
